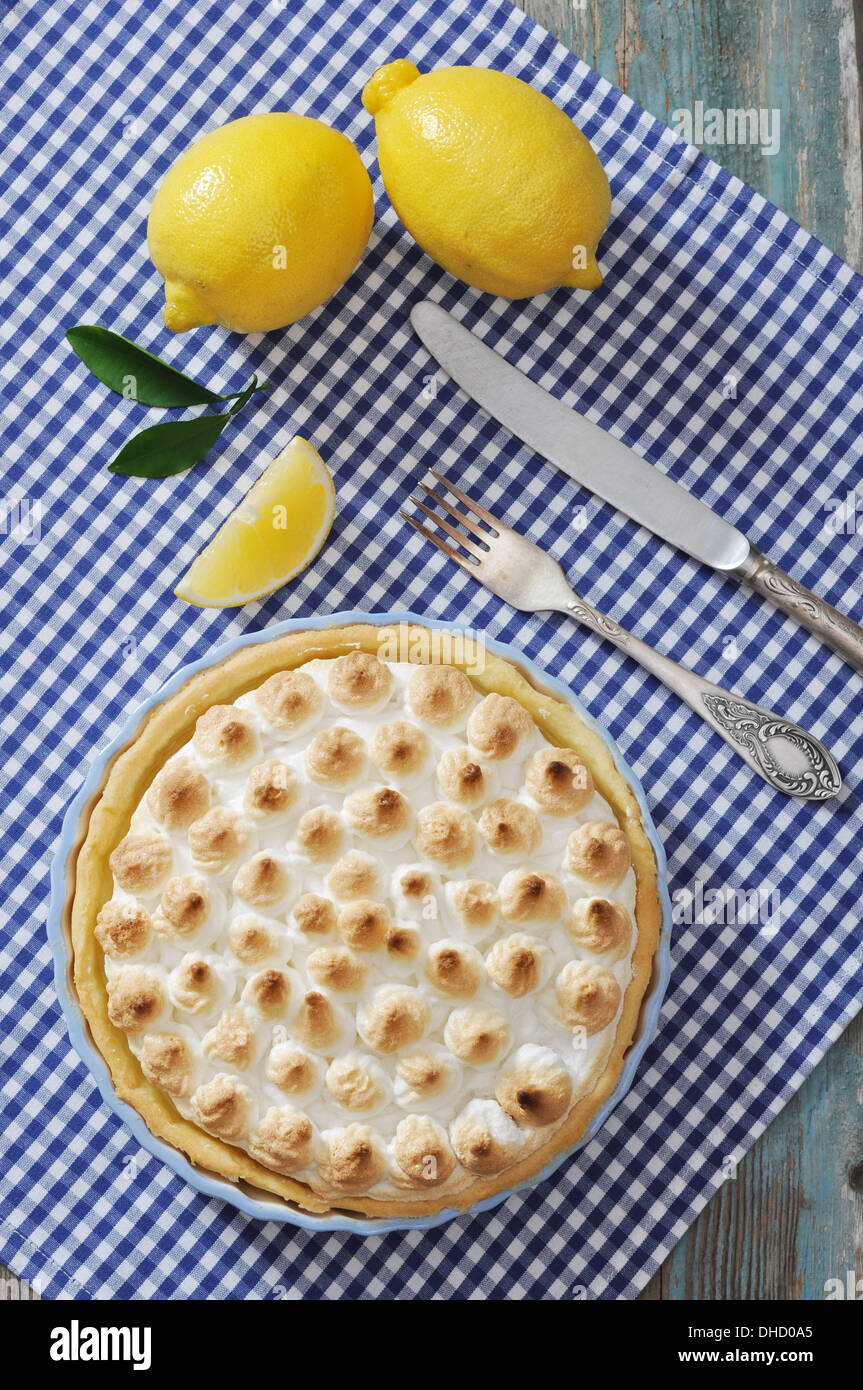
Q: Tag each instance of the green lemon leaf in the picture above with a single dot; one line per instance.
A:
(175, 445)
(136, 374)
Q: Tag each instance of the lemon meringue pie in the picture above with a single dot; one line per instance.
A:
(365, 934)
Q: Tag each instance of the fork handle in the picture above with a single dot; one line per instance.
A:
(786, 756)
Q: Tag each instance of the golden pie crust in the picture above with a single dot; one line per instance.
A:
(165, 730)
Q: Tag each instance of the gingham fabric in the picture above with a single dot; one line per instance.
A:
(724, 345)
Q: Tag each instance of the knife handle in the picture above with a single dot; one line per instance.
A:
(826, 622)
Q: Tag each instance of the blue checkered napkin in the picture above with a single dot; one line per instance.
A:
(724, 345)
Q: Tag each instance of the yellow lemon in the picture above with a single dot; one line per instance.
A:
(259, 222)
(490, 177)
(276, 531)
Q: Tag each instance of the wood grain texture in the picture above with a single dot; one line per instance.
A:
(800, 59)
(791, 1219)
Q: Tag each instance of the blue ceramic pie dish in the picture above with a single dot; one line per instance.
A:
(253, 1202)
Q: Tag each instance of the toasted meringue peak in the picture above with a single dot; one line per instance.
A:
(320, 835)
(414, 890)
(599, 853)
(315, 915)
(336, 757)
(477, 1035)
(425, 1075)
(142, 862)
(510, 828)
(217, 840)
(439, 696)
(529, 895)
(179, 795)
(231, 1040)
(395, 1017)
(454, 968)
(486, 1140)
(403, 944)
(337, 968)
(559, 781)
(356, 875)
(167, 1061)
(184, 907)
(363, 924)
(195, 986)
(254, 940)
(445, 834)
(283, 1140)
(602, 926)
(290, 700)
(268, 993)
(358, 1083)
(355, 1159)
(292, 1069)
(535, 1089)
(225, 735)
(359, 681)
(122, 928)
(515, 964)
(462, 777)
(223, 1106)
(400, 749)
(317, 1024)
(422, 1151)
(476, 903)
(587, 995)
(263, 881)
(136, 998)
(379, 814)
(271, 791)
(497, 726)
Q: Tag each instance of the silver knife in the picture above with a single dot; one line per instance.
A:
(609, 468)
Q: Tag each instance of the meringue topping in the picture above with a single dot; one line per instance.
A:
(283, 1140)
(290, 700)
(587, 995)
(446, 834)
(271, 791)
(439, 696)
(359, 681)
(559, 781)
(122, 928)
(225, 735)
(179, 795)
(292, 944)
(599, 853)
(141, 863)
(497, 726)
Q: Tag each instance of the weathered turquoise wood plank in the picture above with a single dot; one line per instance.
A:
(790, 1221)
(794, 57)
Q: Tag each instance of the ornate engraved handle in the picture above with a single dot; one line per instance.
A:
(786, 756)
(826, 622)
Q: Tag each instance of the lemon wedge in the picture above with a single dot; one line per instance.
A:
(275, 532)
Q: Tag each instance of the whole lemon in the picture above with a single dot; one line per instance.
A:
(491, 178)
(259, 222)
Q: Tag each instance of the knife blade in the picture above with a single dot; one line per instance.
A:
(596, 460)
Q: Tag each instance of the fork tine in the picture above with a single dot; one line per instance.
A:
(453, 511)
(467, 501)
(441, 545)
(458, 536)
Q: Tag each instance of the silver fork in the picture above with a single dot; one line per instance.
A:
(786, 756)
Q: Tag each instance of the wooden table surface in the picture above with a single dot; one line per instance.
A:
(793, 1217)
